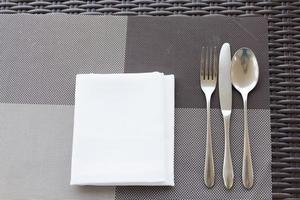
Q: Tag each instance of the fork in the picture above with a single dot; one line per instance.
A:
(208, 81)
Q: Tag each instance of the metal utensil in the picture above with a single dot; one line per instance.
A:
(208, 81)
(244, 76)
(225, 92)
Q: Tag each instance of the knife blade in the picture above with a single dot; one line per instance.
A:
(225, 95)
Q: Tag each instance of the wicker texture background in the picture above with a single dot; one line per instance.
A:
(284, 58)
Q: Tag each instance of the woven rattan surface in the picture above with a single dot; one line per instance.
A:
(284, 58)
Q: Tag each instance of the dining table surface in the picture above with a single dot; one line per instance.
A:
(284, 60)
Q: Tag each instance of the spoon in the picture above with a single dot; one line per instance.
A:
(244, 77)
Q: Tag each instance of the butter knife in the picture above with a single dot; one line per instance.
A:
(225, 93)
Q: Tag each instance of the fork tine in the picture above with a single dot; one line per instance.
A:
(207, 64)
(215, 64)
(202, 64)
(211, 60)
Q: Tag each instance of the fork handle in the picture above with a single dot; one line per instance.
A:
(228, 175)
(209, 169)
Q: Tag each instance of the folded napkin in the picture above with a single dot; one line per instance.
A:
(123, 129)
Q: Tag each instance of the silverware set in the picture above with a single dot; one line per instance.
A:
(242, 72)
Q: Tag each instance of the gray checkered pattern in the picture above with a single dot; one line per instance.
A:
(36, 151)
(41, 55)
(38, 62)
(189, 158)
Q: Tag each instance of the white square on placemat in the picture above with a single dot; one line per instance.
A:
(123, 129)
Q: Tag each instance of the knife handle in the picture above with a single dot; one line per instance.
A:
(228, 175)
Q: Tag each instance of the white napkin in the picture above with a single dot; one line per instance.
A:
(123, 129)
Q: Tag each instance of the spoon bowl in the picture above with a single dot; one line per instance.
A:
(244, 70)
(244, 77)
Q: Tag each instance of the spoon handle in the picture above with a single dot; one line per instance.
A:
(227, 164)
(247, 173)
